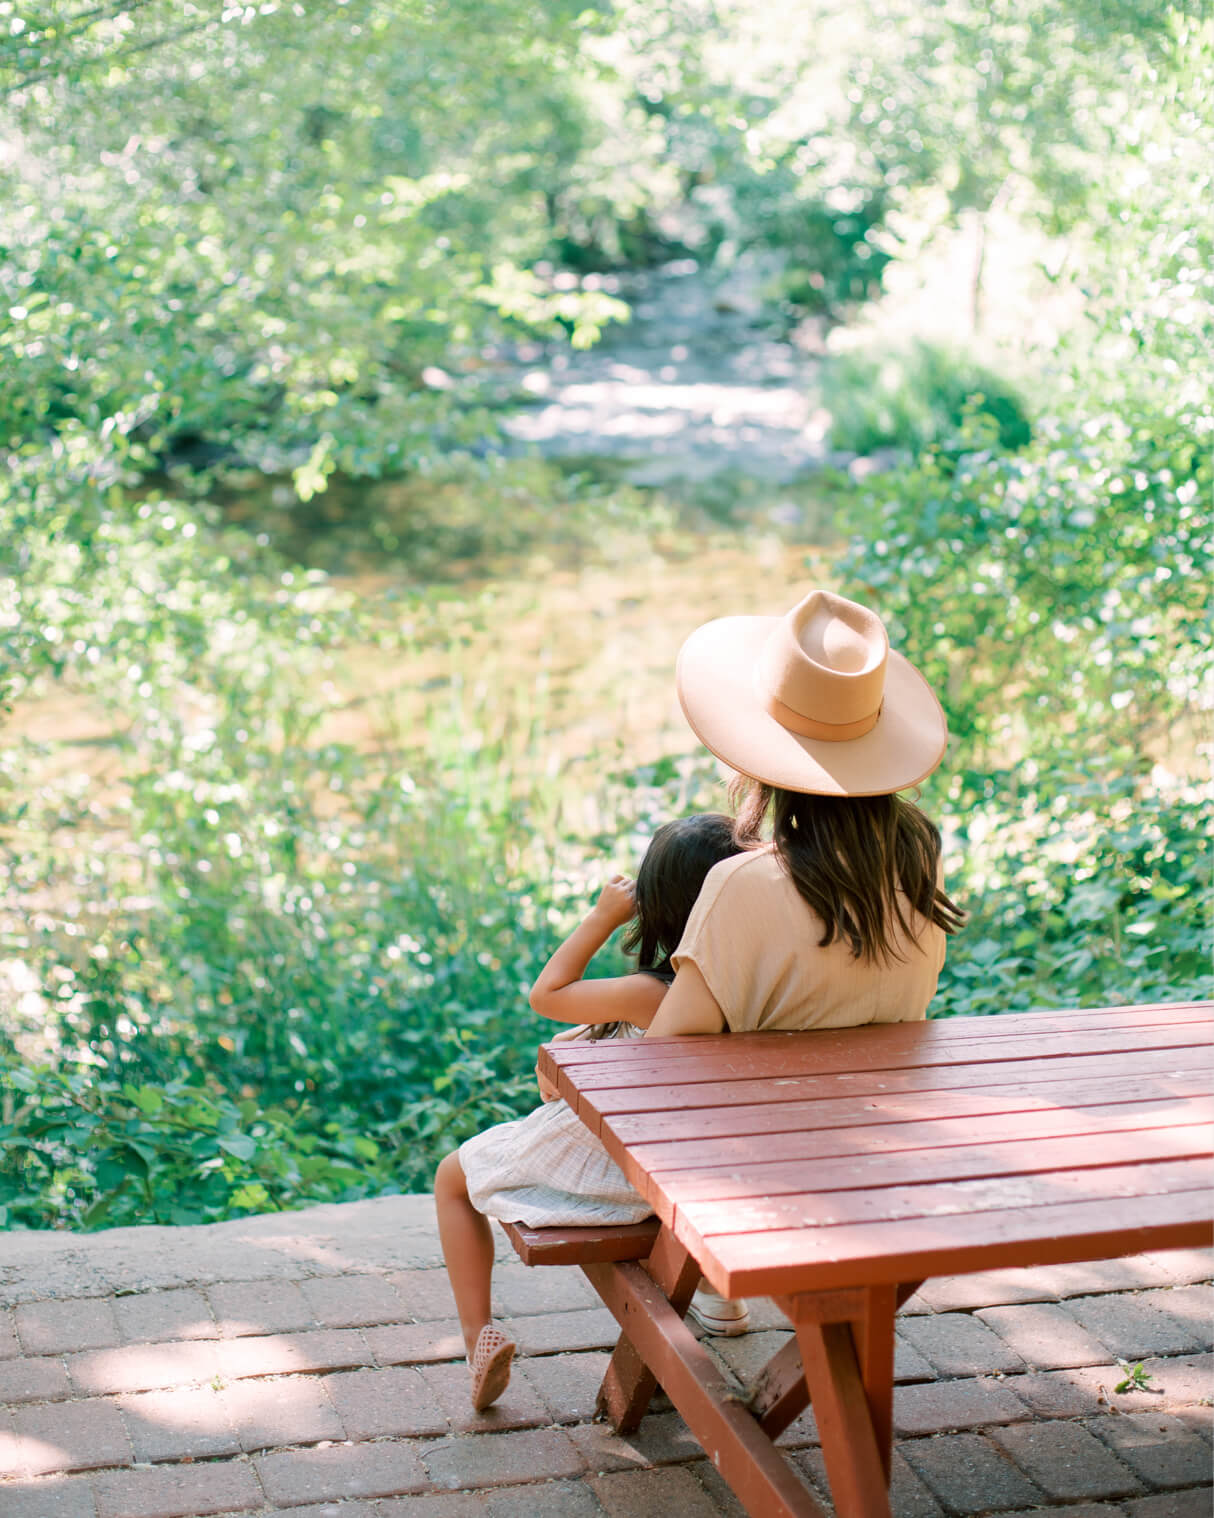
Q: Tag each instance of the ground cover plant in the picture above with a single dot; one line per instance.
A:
(280, 850)
(917, 398)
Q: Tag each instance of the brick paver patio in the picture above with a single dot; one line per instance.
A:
(309, 1363)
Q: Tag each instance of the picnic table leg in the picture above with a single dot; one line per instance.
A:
(761, 1478)
(849, 1370)
(629, 1385)
(875, 1348)
(780, 1392)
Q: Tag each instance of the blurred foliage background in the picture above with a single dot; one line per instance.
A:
(322, 714)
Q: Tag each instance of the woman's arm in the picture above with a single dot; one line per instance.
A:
(688, 1007)
(560, 992)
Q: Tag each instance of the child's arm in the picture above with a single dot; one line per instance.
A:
(560, 992)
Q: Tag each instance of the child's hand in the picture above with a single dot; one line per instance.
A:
(617, 902)
(547, 1090)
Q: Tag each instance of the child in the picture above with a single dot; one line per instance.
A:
(548, 1168)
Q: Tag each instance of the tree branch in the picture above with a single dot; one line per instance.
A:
(98, 12)
(76, 66)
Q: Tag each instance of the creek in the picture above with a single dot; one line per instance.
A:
(701, 381)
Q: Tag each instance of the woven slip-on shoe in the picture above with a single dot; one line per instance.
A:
(490, 1366)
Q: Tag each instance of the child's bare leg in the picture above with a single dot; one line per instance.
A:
(467, 1242)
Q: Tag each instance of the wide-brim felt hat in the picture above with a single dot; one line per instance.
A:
(814, 701)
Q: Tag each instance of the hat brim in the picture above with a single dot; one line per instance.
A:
(714, 677)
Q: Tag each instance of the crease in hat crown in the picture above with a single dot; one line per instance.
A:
(821, 671)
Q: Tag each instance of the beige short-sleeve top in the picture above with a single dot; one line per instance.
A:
(756, 941)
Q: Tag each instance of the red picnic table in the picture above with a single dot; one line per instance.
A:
(833, 1171)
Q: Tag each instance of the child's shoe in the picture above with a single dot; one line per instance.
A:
(719, 1315)
(490, 1366)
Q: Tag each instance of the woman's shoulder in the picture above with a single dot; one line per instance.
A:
(740, 875)
(759, 863)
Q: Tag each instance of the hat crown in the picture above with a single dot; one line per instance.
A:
(824, 665)
(838, 639)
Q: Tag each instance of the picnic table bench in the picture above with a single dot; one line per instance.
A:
(833, 1171)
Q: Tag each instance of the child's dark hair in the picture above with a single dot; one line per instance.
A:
(679, 856)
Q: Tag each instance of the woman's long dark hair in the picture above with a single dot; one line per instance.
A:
(865, 864)
(679, 856)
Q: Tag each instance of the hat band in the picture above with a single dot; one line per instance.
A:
(810, 727)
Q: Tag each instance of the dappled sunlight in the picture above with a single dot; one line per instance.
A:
(34, 1457)
(139, 1367)
(319, 1414)
(16, 1453)
(692, 387)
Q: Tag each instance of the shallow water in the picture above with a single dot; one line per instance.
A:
(699, 382)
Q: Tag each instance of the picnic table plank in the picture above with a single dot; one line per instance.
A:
(573, 1246)
(890, 1131)
(775, 1176)
(795, 1108)
(1005, 1026)
(821, 1209)
(899, 1124)
(748, 1059)
(906, 1249)
(760, 1122)
(997, 1025)
(652, 1169)
(614, 1100)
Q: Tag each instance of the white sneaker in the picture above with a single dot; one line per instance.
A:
(719, 1315)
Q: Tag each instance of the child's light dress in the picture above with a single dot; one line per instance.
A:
(547, 1169)
(755, 940)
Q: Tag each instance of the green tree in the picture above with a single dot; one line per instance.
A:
(263, 232)
(1060, 596)
(1001, 102)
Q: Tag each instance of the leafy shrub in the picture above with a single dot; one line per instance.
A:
(832, 260)
(1056, 598)
(266, 1003)
(261, 964)
(917, 397)
(274, 932)
(1084, 891)
(84, 1149)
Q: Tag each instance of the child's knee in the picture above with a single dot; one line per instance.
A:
(449, 1177)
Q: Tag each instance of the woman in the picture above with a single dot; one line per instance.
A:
(842, 918)
(839, 920)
